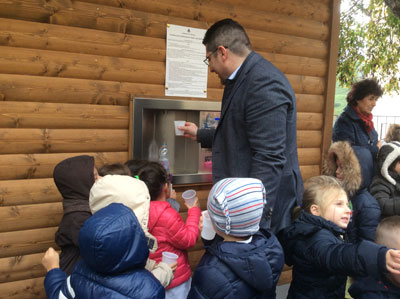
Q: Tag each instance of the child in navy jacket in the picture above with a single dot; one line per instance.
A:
(388, 234)
(114, 251)
(241, 261)
(314, 245)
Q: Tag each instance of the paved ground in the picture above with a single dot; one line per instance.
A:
(281, 291)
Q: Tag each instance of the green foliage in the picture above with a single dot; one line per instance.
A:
(369, 44)
(340, 99)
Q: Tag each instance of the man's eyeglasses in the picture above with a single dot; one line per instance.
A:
(207, 60)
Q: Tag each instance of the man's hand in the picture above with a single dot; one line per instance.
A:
(189, 130)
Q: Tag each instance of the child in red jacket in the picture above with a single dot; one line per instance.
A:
(172, 233)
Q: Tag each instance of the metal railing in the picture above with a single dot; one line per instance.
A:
(381, 123)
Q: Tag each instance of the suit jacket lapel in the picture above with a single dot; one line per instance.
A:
(246, 66)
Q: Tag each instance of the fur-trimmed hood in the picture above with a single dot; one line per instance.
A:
(388, 153)
(351, 168)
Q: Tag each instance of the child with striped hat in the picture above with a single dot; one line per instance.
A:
(241, 261)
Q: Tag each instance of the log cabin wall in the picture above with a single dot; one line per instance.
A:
(68, 70)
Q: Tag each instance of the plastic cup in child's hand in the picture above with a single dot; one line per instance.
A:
(208, 232)
(179, 123)
(169, 257)
(189, 196)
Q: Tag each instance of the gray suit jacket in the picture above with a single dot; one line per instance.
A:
(256, 137)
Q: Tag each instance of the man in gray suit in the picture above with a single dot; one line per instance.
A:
(256, 135)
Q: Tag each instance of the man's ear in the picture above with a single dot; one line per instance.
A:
(314, 209)
(224, 53)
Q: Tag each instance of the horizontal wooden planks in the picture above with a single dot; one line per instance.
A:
(66, 90)
(93, 16)
(21, 267)
(62, 116)
(34, 166)
(31, 35)
(30, 141)
(23, 289)
(24, 217)
(26, 242)
(21, 61)
(214, 11)
(308, 9)
(29, 191)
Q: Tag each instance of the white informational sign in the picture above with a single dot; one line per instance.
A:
(186, 73)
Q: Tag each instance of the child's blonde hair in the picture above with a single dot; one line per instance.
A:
(393, 133)
(318, 190)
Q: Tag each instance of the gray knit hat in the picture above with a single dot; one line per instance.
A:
(388, 153)
(235, 206)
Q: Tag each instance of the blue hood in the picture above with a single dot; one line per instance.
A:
(112, 241)
(367, 165)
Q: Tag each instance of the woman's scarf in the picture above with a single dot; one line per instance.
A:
(367, 119)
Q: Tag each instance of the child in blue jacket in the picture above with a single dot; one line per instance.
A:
(241, 261)
(314, 245)
(388, 287)
(113, 251)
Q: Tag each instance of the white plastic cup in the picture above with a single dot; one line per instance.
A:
(189, 196)
(177, 124)
(208, 232)
(169, 257)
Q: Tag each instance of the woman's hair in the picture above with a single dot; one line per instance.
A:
(318, 191)
(155, 177)
(361, 89)
(135, 165)
(116, 168)
(393, 133)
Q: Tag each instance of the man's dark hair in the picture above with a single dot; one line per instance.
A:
(227, 33)
(363, 88)
(115, 168)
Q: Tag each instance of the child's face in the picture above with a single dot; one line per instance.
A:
(397, 167)
(338, 210)
(339, 171)
(96, 174)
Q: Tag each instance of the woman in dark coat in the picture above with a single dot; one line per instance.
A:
(355, 123)
(73, 177)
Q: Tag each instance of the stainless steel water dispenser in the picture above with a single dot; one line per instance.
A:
(153, 126)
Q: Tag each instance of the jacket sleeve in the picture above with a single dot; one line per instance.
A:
(362, 259)
(205, 137)
(367, 218)
(161, 271)
(389, 204)
(56, 283)
(183, 235)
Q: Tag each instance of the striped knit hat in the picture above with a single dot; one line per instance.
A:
(235, 206)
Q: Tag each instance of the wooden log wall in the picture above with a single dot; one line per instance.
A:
(68, 70)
